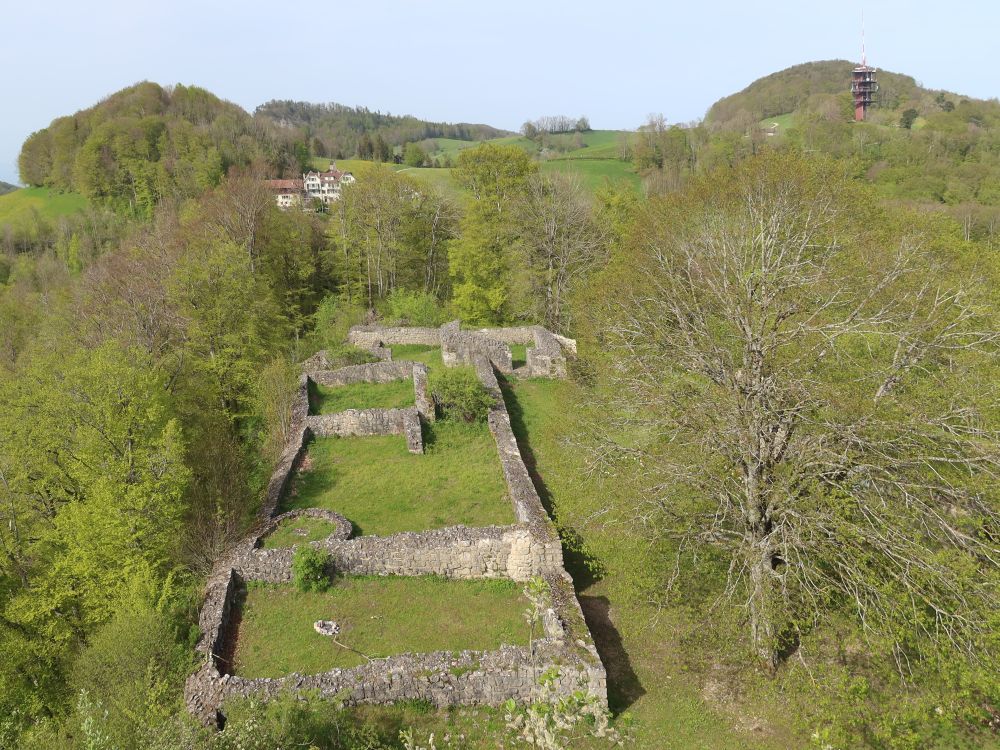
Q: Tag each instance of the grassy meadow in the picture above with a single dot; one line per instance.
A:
(378, 617)
(383, 489)
(22, 206)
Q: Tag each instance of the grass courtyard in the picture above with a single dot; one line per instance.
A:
(428, 355)
(332, 399)
(378, 617)
(382, 488)
(299, 530)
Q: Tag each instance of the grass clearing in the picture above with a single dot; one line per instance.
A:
(395, 394)
(383, 489)
(428, 355)
(378, 616)
(299, 530)
(595, 173)
(21, 207)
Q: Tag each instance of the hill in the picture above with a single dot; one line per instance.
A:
(6, 187)
(938, 149)
(791, 89)
(337, 131)
(146, 142)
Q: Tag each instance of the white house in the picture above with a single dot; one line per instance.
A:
(322, 186)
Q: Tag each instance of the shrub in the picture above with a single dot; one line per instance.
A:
(460, 394)
(414, 308)
(311, 569)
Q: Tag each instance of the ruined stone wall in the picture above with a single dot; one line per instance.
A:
(445, 678)
(370, 422)
(459, 552)
(372, 372)
(460, 347)
(522, 551)
(546, 358)
(369, 336)
(510, 334)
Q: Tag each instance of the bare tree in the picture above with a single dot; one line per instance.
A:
(240, 206)
(798, 392)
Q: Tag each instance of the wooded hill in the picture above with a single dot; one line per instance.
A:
(6, 187)
(791, 89)
(338, 131)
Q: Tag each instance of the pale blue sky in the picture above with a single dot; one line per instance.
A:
(497, 62)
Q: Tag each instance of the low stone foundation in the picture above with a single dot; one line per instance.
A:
(525, 550)
(462, 347)
(546, 358)
(370, 422)
(369, 336)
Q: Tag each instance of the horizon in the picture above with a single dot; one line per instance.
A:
(446, 62)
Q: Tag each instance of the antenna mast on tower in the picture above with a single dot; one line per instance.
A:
(863, 81)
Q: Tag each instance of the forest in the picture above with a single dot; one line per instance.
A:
(773, 466)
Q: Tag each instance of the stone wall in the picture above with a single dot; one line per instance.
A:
(546, 358)
(460, 347)
(370, 422)
(445, 678)
(369, 336)
(520, 552)
(458, 552)
(383, 372)
(372, 372)
(510, 334)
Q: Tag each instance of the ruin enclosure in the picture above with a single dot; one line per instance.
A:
(415, 544)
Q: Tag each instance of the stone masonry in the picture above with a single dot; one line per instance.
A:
(527, 549)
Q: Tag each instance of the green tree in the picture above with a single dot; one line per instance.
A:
(414, 155)
(479, 261)
(907, 119)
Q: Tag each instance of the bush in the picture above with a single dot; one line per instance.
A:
(460, 394)
(311, 569)
(414, 308)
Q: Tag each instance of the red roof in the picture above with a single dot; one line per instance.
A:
(281, 185)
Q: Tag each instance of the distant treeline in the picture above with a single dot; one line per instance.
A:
(339, 131)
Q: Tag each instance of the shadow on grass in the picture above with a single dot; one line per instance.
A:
(624, 687)
(580, 564)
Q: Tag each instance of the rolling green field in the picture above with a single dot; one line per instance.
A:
(395, 394)
(596, 162)
(21, 206)
(595, 173)
(382, 488)
(378, 617)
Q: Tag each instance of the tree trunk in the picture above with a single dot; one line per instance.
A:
(762, 633)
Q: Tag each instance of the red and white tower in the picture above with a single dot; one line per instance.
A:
(863, 84)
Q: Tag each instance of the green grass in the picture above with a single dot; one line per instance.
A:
(595, 173)
(382, 488)
(21, 206)
(332, 399)
(639, 645)
(285, 534)
(429, 355)
(378, 617)
(783, 122)
(519, 353)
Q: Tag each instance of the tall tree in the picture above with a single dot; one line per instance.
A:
(794, 390)
(480, 262)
